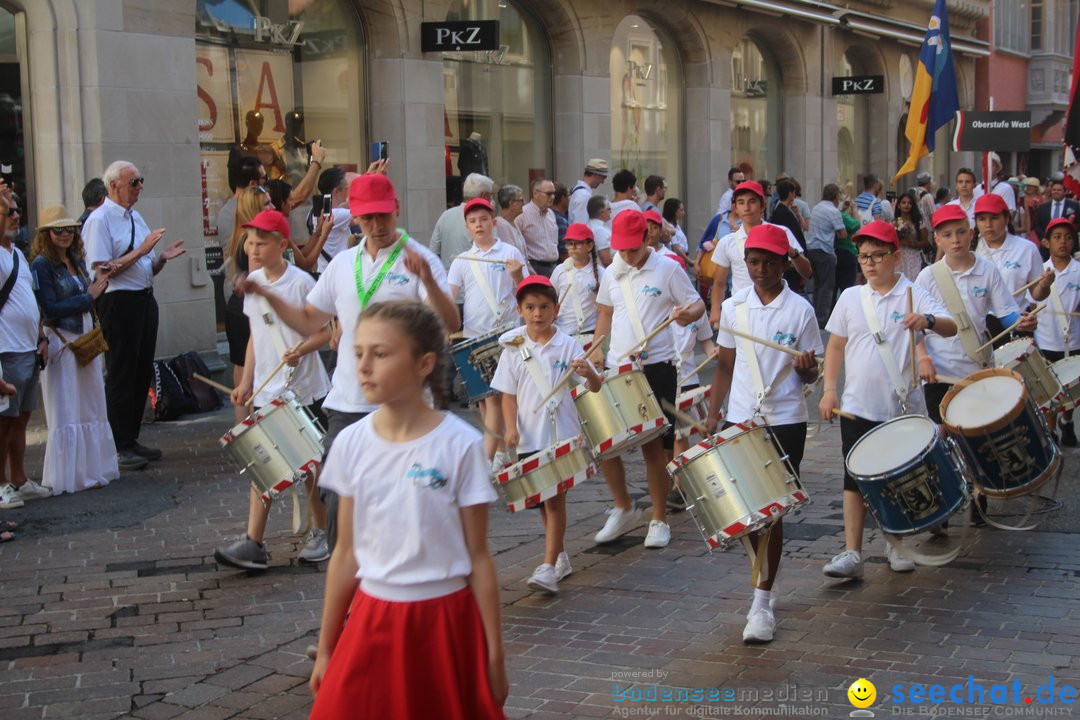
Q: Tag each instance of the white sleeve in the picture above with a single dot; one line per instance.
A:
(719, 254)
(474, 471)
(95, 235)
(1001, 300)
(503, 380)
(456, 275)
(603, 295)
(337, 472)
(321, 297)
(810, 335)
(724, 338)
(682, 290)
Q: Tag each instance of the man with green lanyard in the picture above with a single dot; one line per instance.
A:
(385, 265)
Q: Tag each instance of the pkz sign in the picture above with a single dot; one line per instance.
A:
(858, 85)
(458, 36)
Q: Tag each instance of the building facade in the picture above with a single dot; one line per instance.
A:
(683, 89)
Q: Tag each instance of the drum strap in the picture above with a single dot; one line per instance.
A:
(965, 330)
(571, 277)
(271, 319)
(631, 306)
(485, 289)
(543, 386)
(900, 386)
(742, 322)
(1063, 318)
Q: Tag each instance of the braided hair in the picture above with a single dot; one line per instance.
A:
(426, 334)
(595, 271)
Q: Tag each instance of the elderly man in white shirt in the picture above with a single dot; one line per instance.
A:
(539, 228)
(118, 239)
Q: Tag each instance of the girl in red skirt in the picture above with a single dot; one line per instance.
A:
(423, 636)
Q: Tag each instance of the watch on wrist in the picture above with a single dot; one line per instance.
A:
(930, 321)
(42, 339)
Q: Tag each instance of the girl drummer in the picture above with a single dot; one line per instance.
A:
(534, 358)
(489, 291)
(577, 280)
(412, 569)
(767, 309)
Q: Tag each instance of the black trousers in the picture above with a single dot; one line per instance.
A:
(129, 321)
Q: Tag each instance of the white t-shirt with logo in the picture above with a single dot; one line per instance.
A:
(868, 391)
(479, 318)
(657, 289)
(407, 501)
(1017, 260)
(587, 287)
(338, 238)
(514, 378)
(983, 291)
(309, 379)
(19, 317)
(729, 253)
(335, 293)
(1049, 334)
(788, 320)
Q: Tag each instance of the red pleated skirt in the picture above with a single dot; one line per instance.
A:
(409, 661)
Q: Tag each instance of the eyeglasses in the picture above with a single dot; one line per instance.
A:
(517, 199)
(575, 243)
(66, 230)
(872, 258)
(136, 181)
(549, 193)
(260, 189)
(10, 212)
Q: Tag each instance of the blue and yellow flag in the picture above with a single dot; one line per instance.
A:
(933, 99)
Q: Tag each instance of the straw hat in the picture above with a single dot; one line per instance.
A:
(56, 216)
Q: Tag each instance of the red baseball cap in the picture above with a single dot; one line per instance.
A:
(1060, 221)
(653, 216)
(948, 213)
(579, 232)
(770, 238)
(749, 186)
(372, 194)
(532, 281)
(480, 203)
(270, 221)
(988, 203)
(881, 231)
(628, 230)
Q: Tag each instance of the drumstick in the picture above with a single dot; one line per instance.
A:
(463, 256)
(211, 383)
(692, 421)
(1008, 330)
(456, 335)
(273, 372)
(841, 413)
(597, 343)
(708, 358)
(645, 340)
(949, 380)
(760, 341)
(911, 336)
(1020, 290)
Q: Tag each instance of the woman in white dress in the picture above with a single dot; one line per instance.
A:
(80, 452)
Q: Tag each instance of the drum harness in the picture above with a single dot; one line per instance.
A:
(532, 364)
(579, 312)
(1059, 311)
(965, 329)
(892, 367)
(489, 294)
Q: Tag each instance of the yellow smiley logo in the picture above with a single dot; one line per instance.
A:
(862, 693)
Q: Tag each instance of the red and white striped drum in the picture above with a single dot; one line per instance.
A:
(623, 415)
(548, 473)
(695, 403)
(736, 483)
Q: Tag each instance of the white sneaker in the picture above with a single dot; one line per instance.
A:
(760, 626)
(10, 497)
(659, 534)
(544, 578)
(562, 567)
(898, 562)
(847, 564)
(619, 521)
(31, 490)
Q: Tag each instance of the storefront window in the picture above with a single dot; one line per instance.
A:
(852, 135)
(274, 75)
(646, 104)
(13, 161)
(756, 93)
(497, 115)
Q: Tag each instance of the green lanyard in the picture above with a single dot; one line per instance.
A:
(366, 295)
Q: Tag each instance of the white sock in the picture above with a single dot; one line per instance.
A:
(761, 599)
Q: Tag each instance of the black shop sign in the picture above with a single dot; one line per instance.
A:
(858, 85)
(456, 36)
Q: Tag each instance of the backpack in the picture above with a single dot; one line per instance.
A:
(185, 366)
(867, 216)
(168, 396)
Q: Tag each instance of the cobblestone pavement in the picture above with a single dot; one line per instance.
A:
(114, 607)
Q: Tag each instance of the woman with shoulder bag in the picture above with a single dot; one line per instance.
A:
(80, 452)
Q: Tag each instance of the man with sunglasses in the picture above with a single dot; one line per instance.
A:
(539, 228)
(117, 237)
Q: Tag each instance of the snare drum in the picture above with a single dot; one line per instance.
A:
(736, 483)
(1024, 358)
(278, 445)
(1000, 433)
(623, 415)
(544, 475)
(694, 403)
(1067, 371)
(476, 360)
(911, 478)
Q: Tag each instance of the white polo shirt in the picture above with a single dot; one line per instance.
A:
(601, 234)
(731, 248)
(309, 379)
(970, 209)
(868, 391)
(619, 205)
(479, 316)
(578, 212)
(657, 288)
(1049, 333)
(788, 320)
(338, 238)
(587, 286)
(1017, 260)
(408, 539)
(687, 338)
(514, 378)
(107, 234)
(335, 293)
(983, 291)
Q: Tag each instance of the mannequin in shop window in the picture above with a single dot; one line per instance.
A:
(251, 146)
(473, 157)
(291, 149)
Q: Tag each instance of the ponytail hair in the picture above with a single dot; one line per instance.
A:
(426, 334)
(595, 272)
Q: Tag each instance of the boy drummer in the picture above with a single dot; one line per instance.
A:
(768, 309)
(870, 337)
(640, 290)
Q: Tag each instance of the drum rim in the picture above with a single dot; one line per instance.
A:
(934, 438)
(1073, 360)
(609, 374)
(1002, 422)
(243, 426)
(707, 445)
(1027, 343)
(496, 333)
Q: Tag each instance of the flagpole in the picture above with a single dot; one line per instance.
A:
(986, 157)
